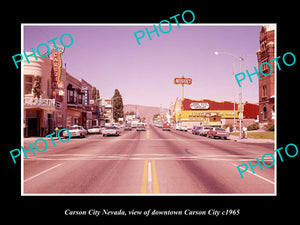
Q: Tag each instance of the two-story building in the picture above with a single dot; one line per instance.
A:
(53, 99)
(40, 106)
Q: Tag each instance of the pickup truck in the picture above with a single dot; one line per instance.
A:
(217, 132)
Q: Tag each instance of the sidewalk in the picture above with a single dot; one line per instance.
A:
(33, 139)
(250, 140)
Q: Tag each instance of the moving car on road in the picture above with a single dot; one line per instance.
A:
(75, 131)
(217, 132)
(166, 126)
(127, 127)
(94, 130)
(111, 131)
(140, 127)
(183, 128)
(196, 130)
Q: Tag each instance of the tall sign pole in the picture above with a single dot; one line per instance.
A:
(183, 81)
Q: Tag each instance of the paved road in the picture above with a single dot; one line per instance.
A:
(149, 162)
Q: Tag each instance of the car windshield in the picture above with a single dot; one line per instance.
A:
(140, 125)
(111, 128)
(96, 127)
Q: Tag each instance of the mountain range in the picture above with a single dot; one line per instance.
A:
(144, 111)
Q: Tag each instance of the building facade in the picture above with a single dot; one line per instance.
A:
(40, 108)
(55, 99)
(266, 83)
(191, 112)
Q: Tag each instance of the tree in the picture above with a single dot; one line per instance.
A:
(117, 106)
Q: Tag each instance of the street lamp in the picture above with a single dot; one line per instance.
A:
(240, 91)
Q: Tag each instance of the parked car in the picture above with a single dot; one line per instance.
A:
(196, 130)
(140, 127)
(203, 131)
(183, 128)
(94, 130)
(217, 132)
(127, 127)
(75, 131)
(166, 126)
(111, 131)
(177, 127)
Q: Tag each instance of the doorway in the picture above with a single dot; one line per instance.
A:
(33, 127)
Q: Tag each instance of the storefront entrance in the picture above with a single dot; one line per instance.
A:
(33, 126)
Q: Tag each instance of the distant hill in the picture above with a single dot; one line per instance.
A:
(144, 111)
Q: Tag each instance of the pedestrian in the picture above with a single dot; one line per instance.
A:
(245, 132)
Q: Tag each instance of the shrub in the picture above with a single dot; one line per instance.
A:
(270, 126)
(253, 126)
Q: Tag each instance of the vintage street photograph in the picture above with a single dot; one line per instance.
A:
(148, 109)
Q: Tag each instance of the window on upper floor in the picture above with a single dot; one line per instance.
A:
(28, 84)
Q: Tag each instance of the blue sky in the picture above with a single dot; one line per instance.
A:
(109, 57)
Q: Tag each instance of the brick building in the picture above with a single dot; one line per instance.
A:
(266, 83)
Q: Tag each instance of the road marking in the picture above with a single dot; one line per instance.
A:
(261, 177)
(149, 177)
(45, 171)
(144, 184)
(81, 157)
(147, 134)
(155, 182)
(150, 183)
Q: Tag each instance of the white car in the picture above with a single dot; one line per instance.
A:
(94, 130)
(111, 131)
(75, 131)
(140, 127)
(183, 128)
(203, 131)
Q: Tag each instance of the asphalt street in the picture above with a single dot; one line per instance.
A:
(146, 162)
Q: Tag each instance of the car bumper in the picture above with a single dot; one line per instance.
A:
(94, 132)
(72, 135)
(221, 135)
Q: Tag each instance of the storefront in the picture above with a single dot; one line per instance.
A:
(193, 112)
(74, 117)
(39, 116)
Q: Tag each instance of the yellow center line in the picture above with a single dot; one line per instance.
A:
(149, 170)
(148, 134)
(144, 184)
(155, 182)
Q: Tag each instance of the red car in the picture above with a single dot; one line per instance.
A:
(166, 126)
(217, 132)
